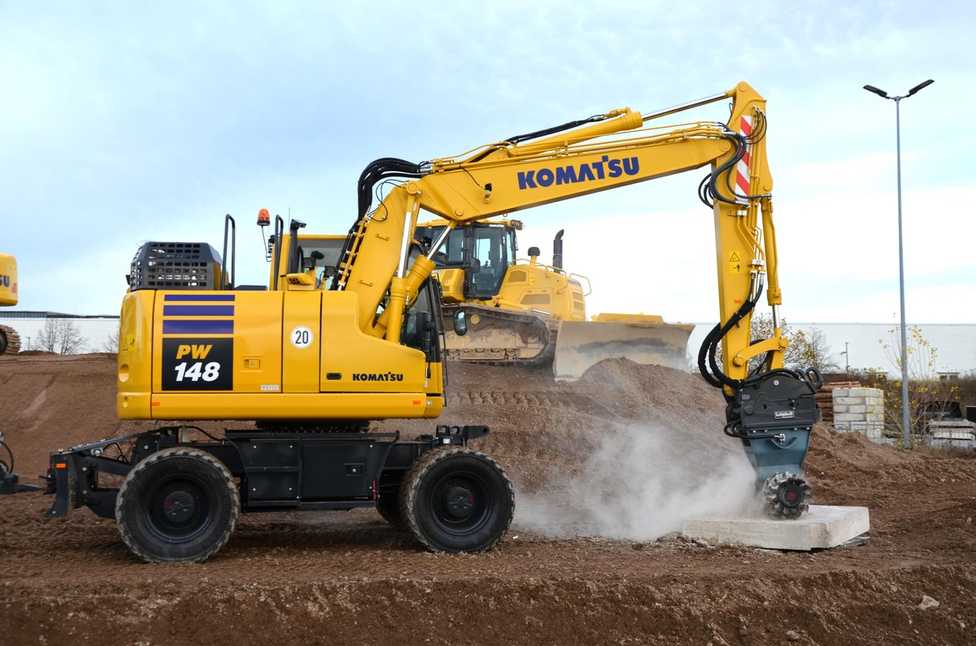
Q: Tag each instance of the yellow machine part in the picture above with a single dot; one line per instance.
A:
(637, 319)
(8, 280)
(518, 325)
(265, 355)
(641, 338)
(452, 284)
(532, 286)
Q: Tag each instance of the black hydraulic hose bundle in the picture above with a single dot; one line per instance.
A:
(375, 171)
(709, 346)
(708, 191)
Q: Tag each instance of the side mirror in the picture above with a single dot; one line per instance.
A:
(460, 323)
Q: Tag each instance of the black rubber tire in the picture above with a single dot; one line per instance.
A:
(198, 484)
(442, 477)
(388, 506)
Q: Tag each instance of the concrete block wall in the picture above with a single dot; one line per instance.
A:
(859, 410)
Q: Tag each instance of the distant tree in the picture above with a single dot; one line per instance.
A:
(810, 349)
(60, 336)
(805, 349)
(112, 343)
(923, 385)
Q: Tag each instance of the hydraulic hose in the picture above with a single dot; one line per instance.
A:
(375, 171)
(715, 376)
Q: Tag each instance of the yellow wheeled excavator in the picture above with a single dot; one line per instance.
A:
(9, 339)
(523, 312)
(310, 355)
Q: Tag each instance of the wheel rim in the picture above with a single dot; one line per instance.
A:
(178, 509)
(461, 503)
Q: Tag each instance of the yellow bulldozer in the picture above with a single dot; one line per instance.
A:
(519, 311)
(9, 339)
(523, 312)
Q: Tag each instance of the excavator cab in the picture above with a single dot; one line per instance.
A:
(316, 253)
(195, 344)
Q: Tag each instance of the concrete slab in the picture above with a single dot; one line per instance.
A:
(822, 527)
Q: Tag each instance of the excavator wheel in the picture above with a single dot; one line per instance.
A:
(457, 500)
(9, 340)
(177, 505)
(786, 495)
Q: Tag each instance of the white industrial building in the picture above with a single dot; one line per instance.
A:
(874, 346)
(870, 345)
(97, 332)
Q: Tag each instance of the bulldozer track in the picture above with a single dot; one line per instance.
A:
(524, 325)
(9, 340)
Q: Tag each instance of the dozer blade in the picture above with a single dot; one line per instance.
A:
(641, 338)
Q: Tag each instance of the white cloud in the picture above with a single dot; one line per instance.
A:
(133, 123)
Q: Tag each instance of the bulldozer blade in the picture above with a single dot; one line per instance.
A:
(581, 344)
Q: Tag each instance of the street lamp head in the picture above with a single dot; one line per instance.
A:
(878, 91)
(923, 84)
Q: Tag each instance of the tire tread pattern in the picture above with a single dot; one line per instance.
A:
(410, 488)
(184, 452)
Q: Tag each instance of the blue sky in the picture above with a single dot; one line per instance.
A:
(122, 123)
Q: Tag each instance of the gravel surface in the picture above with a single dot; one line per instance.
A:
(347, 577)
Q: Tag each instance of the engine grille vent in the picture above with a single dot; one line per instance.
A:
(175, 265)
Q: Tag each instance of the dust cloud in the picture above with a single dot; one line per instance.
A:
(639, 483)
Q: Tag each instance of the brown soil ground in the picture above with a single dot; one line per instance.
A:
(349, 578)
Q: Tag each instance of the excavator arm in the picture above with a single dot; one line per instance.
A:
(771, 409)
(617, 150)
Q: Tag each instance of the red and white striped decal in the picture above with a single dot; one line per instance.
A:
(742, 168)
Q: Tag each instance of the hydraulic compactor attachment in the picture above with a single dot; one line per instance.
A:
(773, 414)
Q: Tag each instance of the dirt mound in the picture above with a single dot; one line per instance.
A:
(47, 402)
(348, 577)
(540, 427)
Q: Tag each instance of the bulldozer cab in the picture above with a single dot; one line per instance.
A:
(482, 252)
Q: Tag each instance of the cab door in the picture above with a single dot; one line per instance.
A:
(301, 339)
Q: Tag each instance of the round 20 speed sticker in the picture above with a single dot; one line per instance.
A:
(301, 337)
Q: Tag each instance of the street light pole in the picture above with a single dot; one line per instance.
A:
(906, 423)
